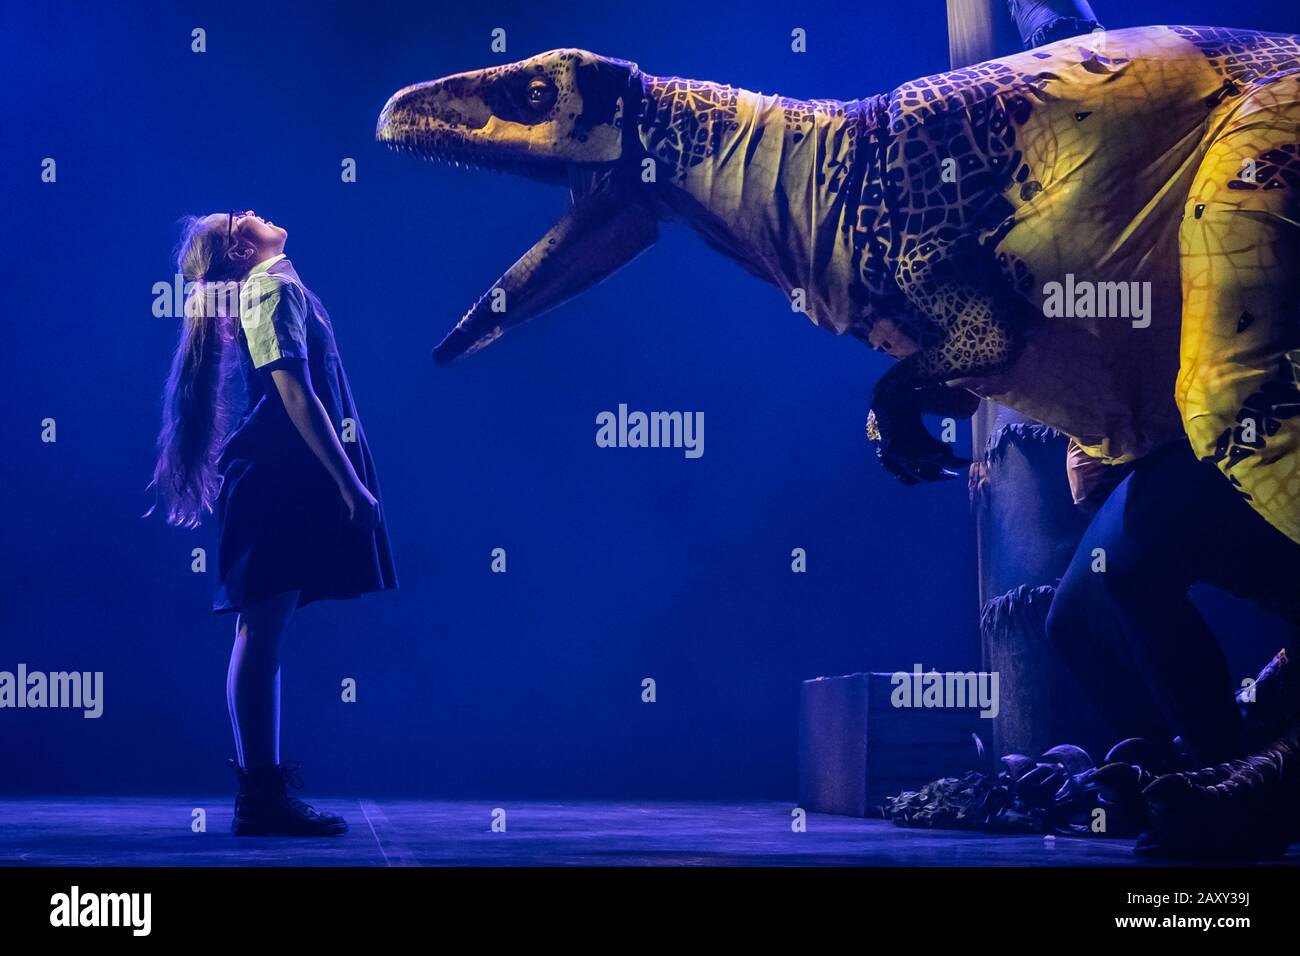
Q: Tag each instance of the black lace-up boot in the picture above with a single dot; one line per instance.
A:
(264, 806)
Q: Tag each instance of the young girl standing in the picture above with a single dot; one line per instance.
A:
(291, 481)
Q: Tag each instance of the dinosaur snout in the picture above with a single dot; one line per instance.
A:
(427, 108)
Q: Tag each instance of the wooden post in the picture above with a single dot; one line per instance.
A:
(980, 30)
(1026, 526)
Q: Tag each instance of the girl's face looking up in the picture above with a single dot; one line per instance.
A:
(252, 238)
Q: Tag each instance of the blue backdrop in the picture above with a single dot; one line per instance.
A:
(623, 564)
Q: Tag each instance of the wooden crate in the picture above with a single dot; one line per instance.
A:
(855, 747)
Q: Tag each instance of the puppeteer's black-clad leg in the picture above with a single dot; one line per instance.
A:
(1090, 628)
(1131, 632)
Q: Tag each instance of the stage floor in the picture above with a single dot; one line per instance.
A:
(144, 831)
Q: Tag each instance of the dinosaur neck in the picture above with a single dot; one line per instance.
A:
(775, 183)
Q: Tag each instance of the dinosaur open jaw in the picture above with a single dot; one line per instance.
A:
(552, 270)
(569, 258)
(572, 256)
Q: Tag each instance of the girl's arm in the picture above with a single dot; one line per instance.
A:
(308, 415)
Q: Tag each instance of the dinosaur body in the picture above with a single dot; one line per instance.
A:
(932, 222)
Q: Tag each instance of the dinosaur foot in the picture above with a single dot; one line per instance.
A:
(1243, 809)
(1116, 788)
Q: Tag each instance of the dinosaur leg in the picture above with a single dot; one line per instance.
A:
(1239, 246)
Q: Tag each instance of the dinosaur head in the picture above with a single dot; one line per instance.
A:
(560, 117)
(534, 117)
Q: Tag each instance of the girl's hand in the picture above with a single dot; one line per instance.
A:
(363, 508)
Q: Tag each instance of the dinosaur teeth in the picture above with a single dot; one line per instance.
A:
(430, 153)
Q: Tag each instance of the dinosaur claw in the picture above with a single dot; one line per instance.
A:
(935, 465)
(1119, 781)
(1166, 790)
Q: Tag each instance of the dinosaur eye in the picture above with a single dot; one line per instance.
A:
(540, 94)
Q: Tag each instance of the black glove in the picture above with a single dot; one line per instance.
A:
(907, 450)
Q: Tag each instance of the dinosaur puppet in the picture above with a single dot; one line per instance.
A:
(1102, 233)
(937, 223)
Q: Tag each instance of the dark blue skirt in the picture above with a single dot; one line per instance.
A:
(282, 525)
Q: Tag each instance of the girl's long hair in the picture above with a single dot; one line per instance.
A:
(196, 406)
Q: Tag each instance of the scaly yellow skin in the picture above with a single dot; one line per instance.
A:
(1108, 144)
(1240, 260)
(1156, 186)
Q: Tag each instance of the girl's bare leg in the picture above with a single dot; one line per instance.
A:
(253, 679)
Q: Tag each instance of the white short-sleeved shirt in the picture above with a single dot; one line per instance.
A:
(273, 314)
